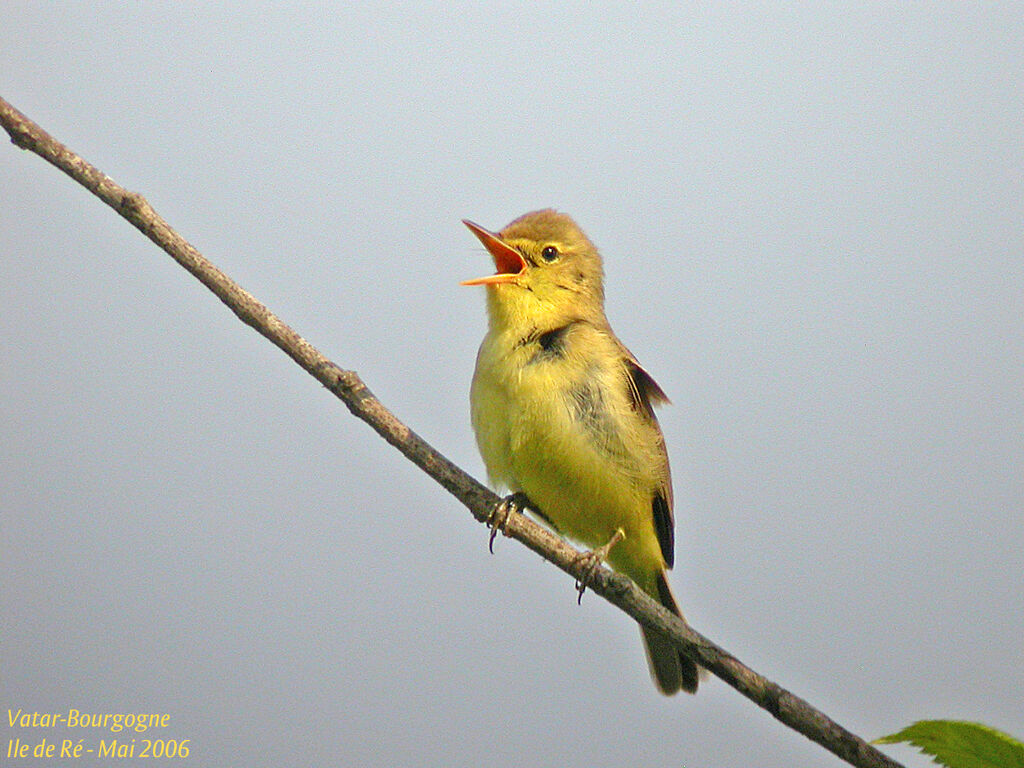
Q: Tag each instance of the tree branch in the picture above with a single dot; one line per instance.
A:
(346, 385)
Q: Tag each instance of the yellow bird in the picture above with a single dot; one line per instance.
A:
(563, 413)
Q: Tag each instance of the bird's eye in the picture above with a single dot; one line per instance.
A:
(549, 254)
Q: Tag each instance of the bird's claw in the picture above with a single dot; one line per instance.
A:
(589, 562)
(497, 520)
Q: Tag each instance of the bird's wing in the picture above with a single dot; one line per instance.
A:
(645, 390)
(646, 394)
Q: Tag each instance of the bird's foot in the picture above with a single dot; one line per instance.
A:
(590, 561)
(502, 511)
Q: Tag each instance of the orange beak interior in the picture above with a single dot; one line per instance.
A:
(508, 261)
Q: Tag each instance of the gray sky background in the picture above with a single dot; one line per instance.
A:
(813, 227)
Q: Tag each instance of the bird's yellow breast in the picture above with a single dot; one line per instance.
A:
(553, 419)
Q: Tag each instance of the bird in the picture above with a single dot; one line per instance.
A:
(564, 414)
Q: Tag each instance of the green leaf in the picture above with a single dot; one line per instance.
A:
(959, 744)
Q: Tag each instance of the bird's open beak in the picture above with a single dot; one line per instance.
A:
(509, 262)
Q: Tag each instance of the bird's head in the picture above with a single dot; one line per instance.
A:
(548, 271)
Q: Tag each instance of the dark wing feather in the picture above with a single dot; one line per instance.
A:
(664, 526)
(645, 390)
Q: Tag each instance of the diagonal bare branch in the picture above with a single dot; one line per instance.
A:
(346, 385)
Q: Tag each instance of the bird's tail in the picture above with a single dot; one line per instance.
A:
(672, 672)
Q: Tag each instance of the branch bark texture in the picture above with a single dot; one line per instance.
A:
(347, 386)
